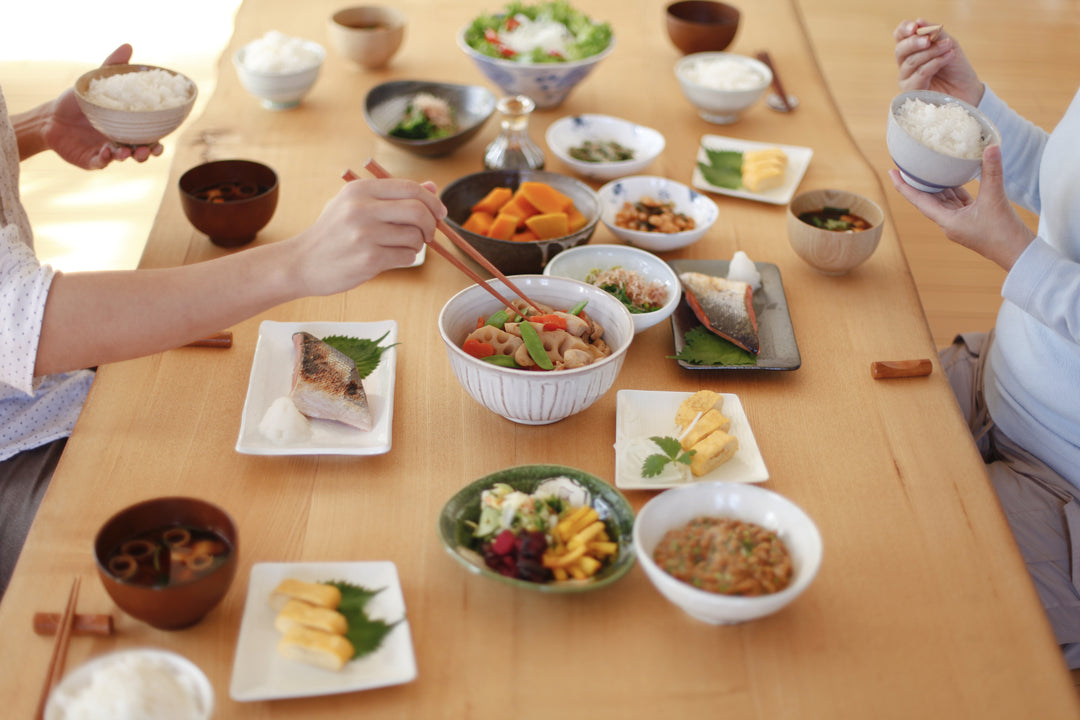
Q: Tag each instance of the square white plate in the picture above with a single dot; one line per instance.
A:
(260, 673)
(650, 413)
(798, 161)
(271, 377)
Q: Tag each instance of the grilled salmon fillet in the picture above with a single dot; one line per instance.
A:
(327, 385)
(723, 306)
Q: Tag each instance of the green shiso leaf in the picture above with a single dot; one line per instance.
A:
(365, 634)
(705, 348)
(672, 452)
(364, 352)
(724, 168)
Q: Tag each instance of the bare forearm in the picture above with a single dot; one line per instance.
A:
(29, 130)
(102, 317)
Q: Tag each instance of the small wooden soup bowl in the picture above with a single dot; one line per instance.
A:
(177, 604)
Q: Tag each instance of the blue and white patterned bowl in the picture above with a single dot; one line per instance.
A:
(687, 201)
(548, 84)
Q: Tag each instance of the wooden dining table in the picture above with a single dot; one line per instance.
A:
(922, 606)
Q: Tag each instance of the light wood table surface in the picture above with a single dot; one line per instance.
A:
(922, 607)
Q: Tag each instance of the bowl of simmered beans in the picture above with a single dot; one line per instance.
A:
(655, 213)
(727, 552)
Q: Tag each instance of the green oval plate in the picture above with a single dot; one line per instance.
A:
(610, 504)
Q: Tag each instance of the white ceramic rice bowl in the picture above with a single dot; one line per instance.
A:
(280, 91)
(66, 694)
(676, 507)
(131, 127)
(576, 263)
(925, 168)
(687, 200)
(571, 131)
(531, 397)
(721, 107)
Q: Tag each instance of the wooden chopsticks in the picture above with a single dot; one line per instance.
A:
(63, 636)
(380, 172)
(777, 85)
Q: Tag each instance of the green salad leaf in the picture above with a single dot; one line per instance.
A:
(724, 168)
(364, 352)
(672, 452)
(706, 348)
(590, 38)
(365, 634)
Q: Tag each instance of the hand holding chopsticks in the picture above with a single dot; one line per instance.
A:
(380, 172)
(63, 636)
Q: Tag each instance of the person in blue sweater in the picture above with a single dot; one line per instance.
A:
(1019, 385)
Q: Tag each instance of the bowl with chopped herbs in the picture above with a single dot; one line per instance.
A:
(541, 49)
(603, 147)
(430, 119)
(643, 282)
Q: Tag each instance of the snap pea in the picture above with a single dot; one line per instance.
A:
(576, 310)
(502, 361)
(535, 346)
(498, 319)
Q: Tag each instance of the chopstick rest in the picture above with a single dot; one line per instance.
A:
(221, 339)
(99, 624)
(885, 369)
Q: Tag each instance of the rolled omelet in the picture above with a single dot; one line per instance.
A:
(700, 402)
(707, 424)
(316, 647)
(713, 451)
(318, 594)
(299, 613)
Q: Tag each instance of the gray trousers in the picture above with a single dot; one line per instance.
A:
(1043, 509)
(23, 480)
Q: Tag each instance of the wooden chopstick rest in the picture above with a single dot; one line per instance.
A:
(885, 369)
(99, 624)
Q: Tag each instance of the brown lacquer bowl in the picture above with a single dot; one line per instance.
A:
(229, 200)
(176, 604)
(701, 25)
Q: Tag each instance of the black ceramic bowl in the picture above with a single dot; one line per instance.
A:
(385, 105)
(510, 256)
(248, 193)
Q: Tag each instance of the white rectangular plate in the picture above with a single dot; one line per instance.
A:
(798, 161)
(650, 413)
(271, 377)
(260, 673)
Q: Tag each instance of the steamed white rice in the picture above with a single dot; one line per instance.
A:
(141, 90)
(723, 74)
(949, 129)
(277, 53)
(133, 687)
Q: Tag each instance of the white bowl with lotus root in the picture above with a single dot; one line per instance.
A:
(535, 397)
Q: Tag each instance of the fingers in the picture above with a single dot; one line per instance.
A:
(993, 175)
(119, 56)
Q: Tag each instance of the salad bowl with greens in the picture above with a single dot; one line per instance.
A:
(541, 49)
(527, 504)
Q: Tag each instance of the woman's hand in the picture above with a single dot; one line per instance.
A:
(368, 227)
(70, 135)
(934, 64)
(988, 224)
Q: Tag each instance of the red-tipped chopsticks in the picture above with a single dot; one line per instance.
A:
(63, 636)
(380, 172)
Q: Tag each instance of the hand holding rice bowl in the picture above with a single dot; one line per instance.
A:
(279, 69)
(936, 141)
(135, 104)
(722, 85)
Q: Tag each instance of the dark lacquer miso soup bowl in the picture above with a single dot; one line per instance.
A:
(167, 561)
(229, 200)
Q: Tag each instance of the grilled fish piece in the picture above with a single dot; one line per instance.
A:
(327, 385)
(723, 306)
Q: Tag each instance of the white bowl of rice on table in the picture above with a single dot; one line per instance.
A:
(135, 104)
(936, 140)
(722, 85)
(640, 279)
(279, 69)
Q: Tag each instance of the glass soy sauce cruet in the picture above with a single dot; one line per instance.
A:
(513, 149)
